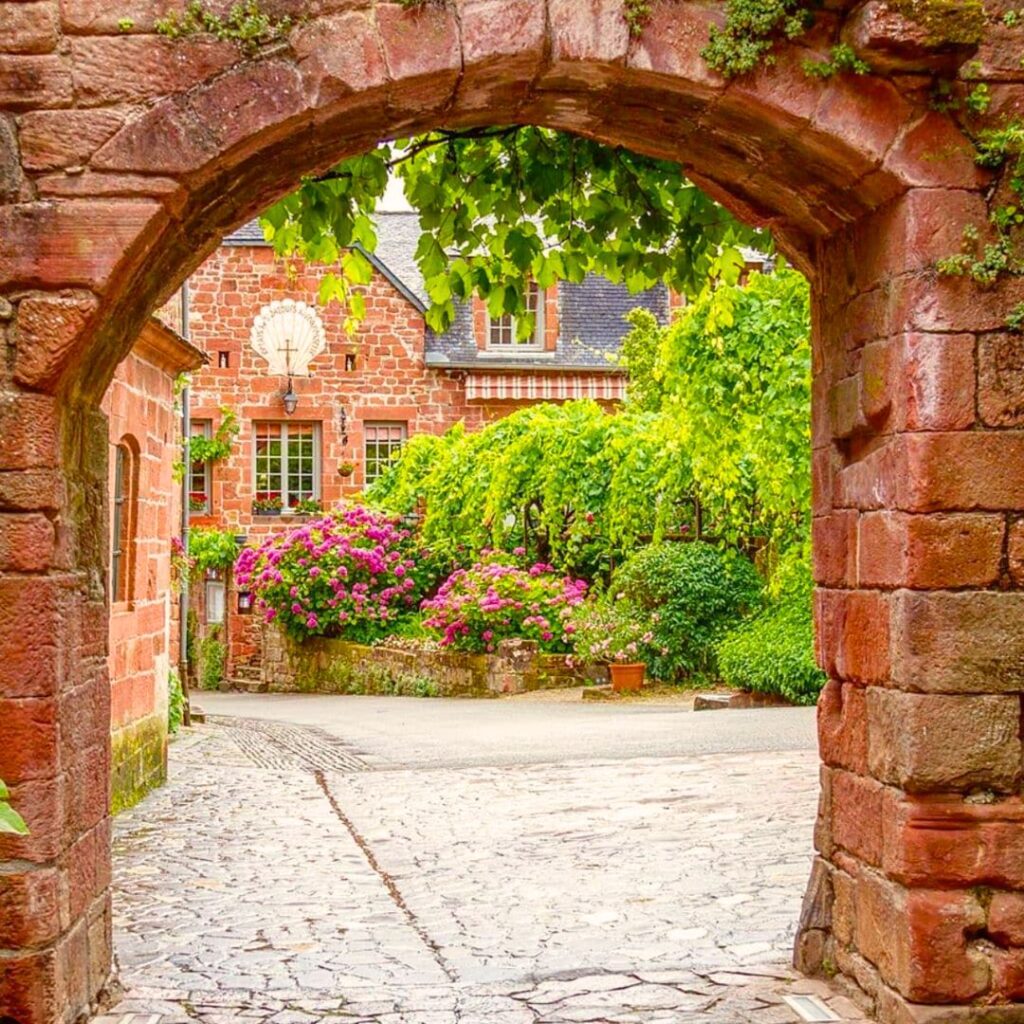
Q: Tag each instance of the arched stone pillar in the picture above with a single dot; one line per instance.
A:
(123, 157)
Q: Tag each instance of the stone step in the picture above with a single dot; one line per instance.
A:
(247, 685)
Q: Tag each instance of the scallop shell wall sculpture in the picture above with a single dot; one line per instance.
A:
(289, 335)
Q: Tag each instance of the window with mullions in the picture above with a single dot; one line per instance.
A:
(382, 442)
(199, 502)
(287, 463)
(501, 331)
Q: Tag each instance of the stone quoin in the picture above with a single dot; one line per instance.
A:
(125, 157)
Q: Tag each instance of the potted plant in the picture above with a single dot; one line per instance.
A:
(267, 505)
(197, 501)
(346, 468)
(611, 632)
(308, 507)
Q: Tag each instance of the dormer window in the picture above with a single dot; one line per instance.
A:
(501, 331)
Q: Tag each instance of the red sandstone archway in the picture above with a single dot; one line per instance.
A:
(124, 157)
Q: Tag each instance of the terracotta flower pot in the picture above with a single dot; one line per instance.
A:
(627, 677)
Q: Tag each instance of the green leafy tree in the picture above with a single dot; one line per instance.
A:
(570, 484)
(499, 206)
(638, 356)
(737, 373)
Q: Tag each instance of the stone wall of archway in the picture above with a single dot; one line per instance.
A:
(123, 157)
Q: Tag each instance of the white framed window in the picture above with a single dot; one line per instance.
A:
(199, 475)
(381, 443)
(501, 331)
(286, 462)
(215, 602)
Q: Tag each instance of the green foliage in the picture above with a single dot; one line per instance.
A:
(514, 203)
(751, 31)
(580, 488)
(309, 507)
(125, 24)
(11, 822)
(638, 355)
(841, 58)
(213, 657)
(175, 702)
(246, 23)
(213, 449)
(986, 261)
(774, 651)
(571, 485)
(210, 548)
(737, 372)
(690, 594)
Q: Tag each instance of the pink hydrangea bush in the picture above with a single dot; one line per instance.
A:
(493, 600)
(348, 574)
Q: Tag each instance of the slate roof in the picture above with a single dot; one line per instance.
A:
(591, 314)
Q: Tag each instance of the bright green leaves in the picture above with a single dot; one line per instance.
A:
(498, 206)
(11, 822)
(752, 29)
(737, 374)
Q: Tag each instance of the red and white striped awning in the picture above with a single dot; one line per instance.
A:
(544, 387)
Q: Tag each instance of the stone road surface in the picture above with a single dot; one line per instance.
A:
(280, 878)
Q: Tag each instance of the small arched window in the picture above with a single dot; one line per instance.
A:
(123, 528)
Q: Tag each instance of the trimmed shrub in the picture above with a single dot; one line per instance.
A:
(493, 601)
(691, 594)
(774, 651)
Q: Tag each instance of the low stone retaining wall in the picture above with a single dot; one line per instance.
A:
(319, 665)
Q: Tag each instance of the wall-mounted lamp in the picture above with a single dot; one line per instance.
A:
(290, 399)
(343, 423)
(244, 602)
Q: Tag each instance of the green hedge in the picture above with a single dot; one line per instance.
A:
(774, 651)
(691, 594)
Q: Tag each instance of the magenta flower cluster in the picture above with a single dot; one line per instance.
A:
(348, 574)
(476, 608)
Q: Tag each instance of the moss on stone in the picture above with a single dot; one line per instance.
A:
(947, 22)
(138, 761)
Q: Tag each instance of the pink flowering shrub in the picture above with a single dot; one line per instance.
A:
(492, 601)
(348, 574)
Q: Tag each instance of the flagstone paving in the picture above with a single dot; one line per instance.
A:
(645, 890)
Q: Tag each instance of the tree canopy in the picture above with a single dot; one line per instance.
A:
(499, 206)
(715, 443)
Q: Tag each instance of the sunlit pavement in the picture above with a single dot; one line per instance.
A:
(287, 875)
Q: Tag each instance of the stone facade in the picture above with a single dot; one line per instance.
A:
(322, 665)
(144, 426)
(126, 157)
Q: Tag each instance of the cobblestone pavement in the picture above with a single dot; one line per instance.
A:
(653, 890)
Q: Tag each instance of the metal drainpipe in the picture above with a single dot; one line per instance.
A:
(186, 429)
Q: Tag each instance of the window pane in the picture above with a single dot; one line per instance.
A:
(199, 478)
(382, 442)
(502, 330)
(286, 462)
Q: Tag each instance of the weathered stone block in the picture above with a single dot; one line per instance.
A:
(1001, 380)
(929, 742)
(965, 642)
(929, 551)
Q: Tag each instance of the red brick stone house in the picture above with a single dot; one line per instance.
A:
(352, 401)
(145, 432)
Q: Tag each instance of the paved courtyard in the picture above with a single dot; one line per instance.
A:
(288, 874)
